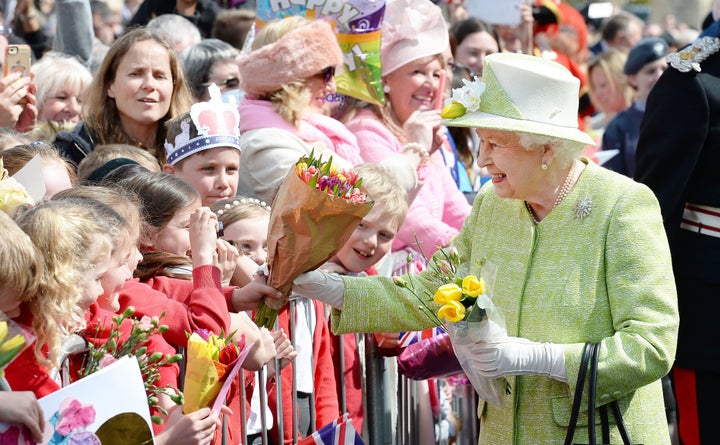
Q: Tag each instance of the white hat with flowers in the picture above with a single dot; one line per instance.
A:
(519, 93)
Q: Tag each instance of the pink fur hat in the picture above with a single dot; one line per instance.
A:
(297, 55)
(411, 30)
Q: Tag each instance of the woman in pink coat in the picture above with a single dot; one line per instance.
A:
(414, 38)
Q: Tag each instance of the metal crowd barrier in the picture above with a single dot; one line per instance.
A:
(393, 403)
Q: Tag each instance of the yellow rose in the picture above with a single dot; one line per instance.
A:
(473, 286)
(453, 110)
(453, 311)
(447, 293)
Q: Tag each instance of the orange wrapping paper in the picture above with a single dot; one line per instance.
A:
(307, 227)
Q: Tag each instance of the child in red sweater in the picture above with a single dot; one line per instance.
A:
(75, 247)
(20, 272)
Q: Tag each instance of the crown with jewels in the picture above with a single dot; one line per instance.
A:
(217, 124)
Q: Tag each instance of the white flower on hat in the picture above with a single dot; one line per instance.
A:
(470, 94)
(464, 99)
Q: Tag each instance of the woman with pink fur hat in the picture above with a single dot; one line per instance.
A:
(286, 78)
(414, 37)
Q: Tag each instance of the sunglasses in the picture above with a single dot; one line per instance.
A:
(327, 74)
(231, 83)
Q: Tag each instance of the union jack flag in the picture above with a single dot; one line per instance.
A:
(409, 337)
(337, 432)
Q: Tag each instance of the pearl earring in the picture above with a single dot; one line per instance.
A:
(544, 166)
(386, 88)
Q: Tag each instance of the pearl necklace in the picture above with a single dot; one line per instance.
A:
(564, 190)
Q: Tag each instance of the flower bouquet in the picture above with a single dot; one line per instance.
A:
(466, 312)
(127, 336)
(315, 211)
(212, 363)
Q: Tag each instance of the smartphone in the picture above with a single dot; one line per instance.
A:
(17, 59)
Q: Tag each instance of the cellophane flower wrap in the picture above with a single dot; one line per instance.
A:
(210, 360)
(12, 193)
(315, 211)
(466, 312)
(13, 340)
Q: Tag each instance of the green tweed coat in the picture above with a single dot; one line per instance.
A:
(605, 276)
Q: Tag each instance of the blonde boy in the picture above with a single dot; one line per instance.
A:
(371, 241)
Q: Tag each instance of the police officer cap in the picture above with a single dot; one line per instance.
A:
(645, 51)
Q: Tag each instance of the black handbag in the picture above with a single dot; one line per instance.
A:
(590, 360)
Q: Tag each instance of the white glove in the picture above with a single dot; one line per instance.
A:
(518, 356)
(320, 285)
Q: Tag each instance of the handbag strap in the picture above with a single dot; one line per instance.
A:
(575, 412)
(590, 357)
(592, 389)
(614, 407)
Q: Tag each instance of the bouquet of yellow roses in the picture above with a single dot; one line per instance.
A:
(466, 312)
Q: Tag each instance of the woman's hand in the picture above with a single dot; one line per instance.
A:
(21, 407)
(334, 268)
(196, 428)
(421, 127)
(28, 115)
(525, 29)
(13, 89)
(203, 237)
(510, 356)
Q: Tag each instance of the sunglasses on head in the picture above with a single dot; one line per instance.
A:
(328, 73)
(230, 83)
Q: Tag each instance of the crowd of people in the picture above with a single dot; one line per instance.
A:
(159, 134)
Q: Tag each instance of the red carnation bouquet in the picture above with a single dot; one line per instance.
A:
(315, 211)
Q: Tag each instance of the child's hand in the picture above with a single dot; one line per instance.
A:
(21, 407)
(244, 272)
(264, 347)
(227, 260)
(203, 237)
(196, 428)
(284, 348)
(248, 297)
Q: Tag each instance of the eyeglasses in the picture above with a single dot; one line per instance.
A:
(231, 83)
(327, 74)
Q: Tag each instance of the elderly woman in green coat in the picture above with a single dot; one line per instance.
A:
(581, 256)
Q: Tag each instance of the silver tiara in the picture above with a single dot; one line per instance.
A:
(237, 202)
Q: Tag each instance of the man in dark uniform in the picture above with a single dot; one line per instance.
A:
(678, 157)
(644, 66)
